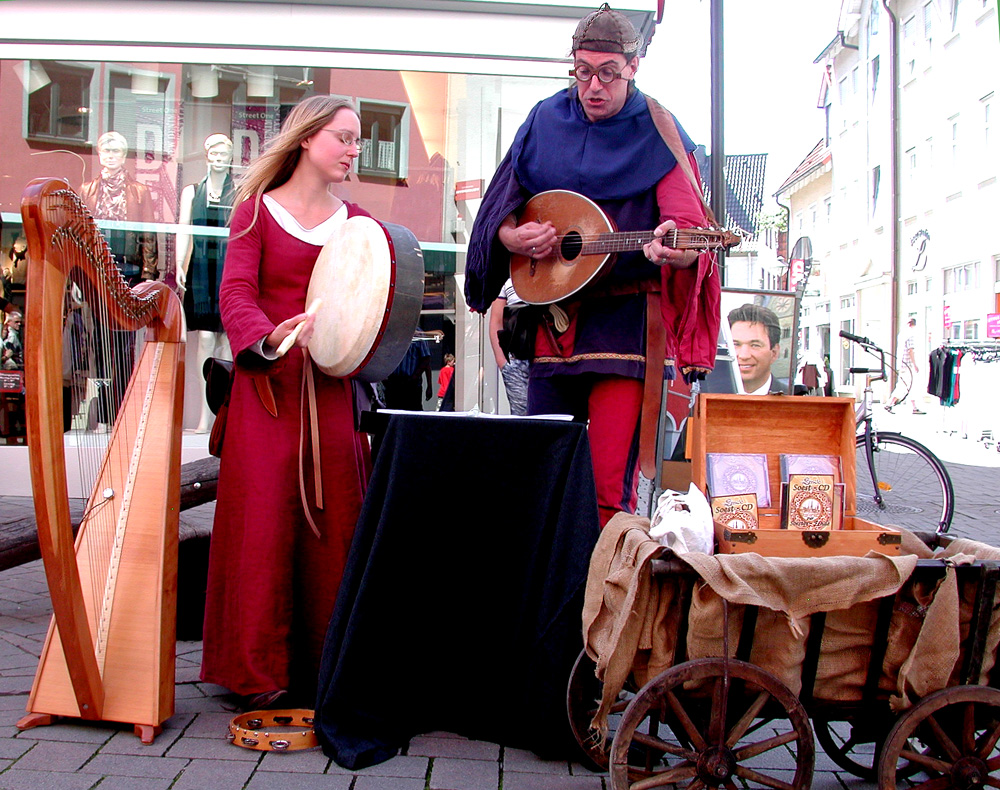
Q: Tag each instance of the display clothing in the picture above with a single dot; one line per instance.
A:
(623, 164)
(120, 197)
(208, 253)
(272, 582)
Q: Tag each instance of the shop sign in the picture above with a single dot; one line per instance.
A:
(993, 325)
(468, 190)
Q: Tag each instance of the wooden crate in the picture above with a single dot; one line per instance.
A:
(774, 425)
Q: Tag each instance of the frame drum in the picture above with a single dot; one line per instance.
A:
(370, 277)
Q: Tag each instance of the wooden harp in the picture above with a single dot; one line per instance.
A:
(109, 652)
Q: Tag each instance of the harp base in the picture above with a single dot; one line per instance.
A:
(36, 720)
(144, 732)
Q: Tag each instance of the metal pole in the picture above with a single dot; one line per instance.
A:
(718, 160)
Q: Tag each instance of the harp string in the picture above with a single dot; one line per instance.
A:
(106, 459)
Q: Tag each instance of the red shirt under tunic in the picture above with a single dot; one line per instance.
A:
(272, 583)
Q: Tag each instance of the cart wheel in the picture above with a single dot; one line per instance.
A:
(583, 697)
(692, 729)
(949, 738)
(859, 753)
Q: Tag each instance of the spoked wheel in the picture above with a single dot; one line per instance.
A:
(712, 723)
(583, 697)
(859, 751)
(949, 738)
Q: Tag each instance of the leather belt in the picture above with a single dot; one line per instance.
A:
(250, 730)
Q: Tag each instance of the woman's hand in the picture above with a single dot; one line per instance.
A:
(286, 327)
(661, 254)
(532, 240)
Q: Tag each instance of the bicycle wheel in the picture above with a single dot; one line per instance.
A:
(915, 487)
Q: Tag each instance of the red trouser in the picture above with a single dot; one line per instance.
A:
(612, 405)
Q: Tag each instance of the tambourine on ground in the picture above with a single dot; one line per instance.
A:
(370, 278)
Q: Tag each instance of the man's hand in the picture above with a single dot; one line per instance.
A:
(662, 255)
(532, 240)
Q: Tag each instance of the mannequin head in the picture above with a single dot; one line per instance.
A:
(218, 152)
(112, 148)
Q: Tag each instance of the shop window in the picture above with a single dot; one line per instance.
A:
(58, 101)
(142, 109)
(385, 129)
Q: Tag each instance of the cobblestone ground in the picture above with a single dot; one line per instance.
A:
(193, 754)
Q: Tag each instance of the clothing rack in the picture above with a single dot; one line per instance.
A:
(972, 418)
(980, 350)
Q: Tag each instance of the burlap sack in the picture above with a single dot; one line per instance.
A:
(846, 649)
(627, 621)
(775, 649)
(979, 551)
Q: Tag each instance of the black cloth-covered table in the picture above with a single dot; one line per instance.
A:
(460, 609)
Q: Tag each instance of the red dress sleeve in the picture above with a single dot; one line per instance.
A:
(239, 294)
(690, 302)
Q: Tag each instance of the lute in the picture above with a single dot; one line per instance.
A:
(587, 241)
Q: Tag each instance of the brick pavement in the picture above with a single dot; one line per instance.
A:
(193, 754)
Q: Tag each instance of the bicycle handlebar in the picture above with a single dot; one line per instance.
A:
(856, 338)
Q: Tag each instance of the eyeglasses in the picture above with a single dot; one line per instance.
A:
(585, 73)
(347, 138)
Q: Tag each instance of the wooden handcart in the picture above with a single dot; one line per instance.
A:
(726, 722)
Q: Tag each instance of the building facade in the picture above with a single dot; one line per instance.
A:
(440, 88)
(899, 206)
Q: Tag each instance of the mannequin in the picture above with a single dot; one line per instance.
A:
(116, 195)
(200, 259)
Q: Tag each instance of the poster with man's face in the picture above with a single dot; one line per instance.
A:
(759, 329)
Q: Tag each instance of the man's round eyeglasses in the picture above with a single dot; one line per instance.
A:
(605, 74)
(347, 138)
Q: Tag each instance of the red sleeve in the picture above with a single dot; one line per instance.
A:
(239, 294)
(690, 302)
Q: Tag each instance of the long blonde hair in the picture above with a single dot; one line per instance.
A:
(281, 155)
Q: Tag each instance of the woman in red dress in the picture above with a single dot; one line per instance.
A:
(277, 557)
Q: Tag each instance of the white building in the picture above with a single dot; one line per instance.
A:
(900, 214)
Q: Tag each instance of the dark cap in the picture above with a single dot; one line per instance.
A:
(605, 30)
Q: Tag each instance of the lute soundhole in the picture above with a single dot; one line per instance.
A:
(570, 247)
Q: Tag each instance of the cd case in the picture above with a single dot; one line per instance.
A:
(738, 473)
(792, 464)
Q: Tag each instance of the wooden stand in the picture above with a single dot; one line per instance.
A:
(774, 425)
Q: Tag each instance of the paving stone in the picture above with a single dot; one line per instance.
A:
(77, 733)
(311, 761)
(204, 774)
(212, 749)
(426, 746)
(129, 765)
(277, 781)
(400, 766)
(209, 724)
(388, 783)
(452, 774)
(128, 743)
(11, 748)
(529, 762)
(132, 783)
(515, 780)
(16, 779)
(57, 757)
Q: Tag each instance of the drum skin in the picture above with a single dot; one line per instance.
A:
(370, 277)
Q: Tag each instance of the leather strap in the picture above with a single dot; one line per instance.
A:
(263, 384)
(667, 127)
(652, 391)
(252, 730)
(308, 400)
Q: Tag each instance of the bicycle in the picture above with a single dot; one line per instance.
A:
(906, 484)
